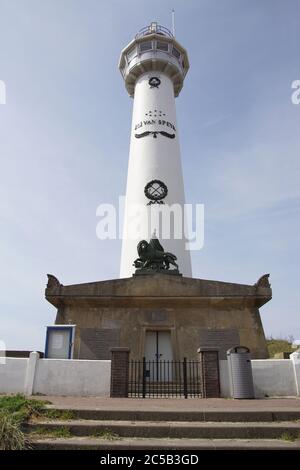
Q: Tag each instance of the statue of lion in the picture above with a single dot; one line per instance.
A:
(153, 256)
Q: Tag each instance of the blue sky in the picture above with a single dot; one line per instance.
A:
(64, 143)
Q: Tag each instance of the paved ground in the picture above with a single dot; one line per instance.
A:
(173, 404)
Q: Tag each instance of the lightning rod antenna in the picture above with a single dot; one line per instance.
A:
(173, 22)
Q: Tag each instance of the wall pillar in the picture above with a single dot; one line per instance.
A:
(209, 363)
(119, 372)
(30, 372)
(295, 358)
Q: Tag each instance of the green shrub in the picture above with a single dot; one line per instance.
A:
(278, 345)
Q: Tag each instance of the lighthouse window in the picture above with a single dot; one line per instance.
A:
(131, 53)
(175, 53)
(162, 46)
(146, 46)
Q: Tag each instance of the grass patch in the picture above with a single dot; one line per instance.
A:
(286, 436)
(16, 410)
(20, 408)
(63, 415)
(106, 434)
(63, 432)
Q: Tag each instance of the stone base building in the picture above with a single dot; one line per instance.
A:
(161, 316)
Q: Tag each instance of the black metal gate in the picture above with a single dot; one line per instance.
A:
(154, 379)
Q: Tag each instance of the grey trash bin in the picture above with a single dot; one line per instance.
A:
(240, 372)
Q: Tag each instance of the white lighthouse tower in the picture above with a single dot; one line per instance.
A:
(154, 66)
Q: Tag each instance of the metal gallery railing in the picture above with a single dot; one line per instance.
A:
(154, 28)
(158, 378)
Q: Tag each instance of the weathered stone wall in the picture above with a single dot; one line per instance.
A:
(198, 313)
(190, 328)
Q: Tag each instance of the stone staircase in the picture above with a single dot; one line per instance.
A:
(94, 429)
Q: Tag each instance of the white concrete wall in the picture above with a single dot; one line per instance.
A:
(271, 377)
(224, 379)
(55, 376)
(13, 375)
(72, 377)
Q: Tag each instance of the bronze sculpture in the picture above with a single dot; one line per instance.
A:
(152, 257)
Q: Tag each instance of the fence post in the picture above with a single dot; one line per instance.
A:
(209, 363)
(144, 377)
(119, 372)
(295, 358)
(30, 372)
(185, 390)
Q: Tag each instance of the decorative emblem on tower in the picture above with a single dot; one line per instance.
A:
(154, 82)
(156, 191)
(154, 134)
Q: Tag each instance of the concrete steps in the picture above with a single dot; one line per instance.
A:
(172, 415)
(90, 443)
(180, 430)
(144, 429)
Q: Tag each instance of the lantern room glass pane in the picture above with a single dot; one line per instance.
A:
(162, 46)
(131, 53)
(176, 53)
(146, 46)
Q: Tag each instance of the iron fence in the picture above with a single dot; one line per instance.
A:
(154, 379)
